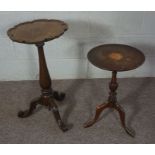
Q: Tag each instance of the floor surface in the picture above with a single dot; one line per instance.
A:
(135, 95)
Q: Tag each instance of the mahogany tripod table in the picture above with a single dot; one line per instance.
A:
(37, 32)
(115, 58)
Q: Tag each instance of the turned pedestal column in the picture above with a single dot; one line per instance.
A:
(114, 57)
(37, 32)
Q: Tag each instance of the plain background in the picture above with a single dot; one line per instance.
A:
(67, 55)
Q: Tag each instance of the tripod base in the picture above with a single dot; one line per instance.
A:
(117, 107)
(46, 100)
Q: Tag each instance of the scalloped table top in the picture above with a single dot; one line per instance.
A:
(37, 31)
(116, 57)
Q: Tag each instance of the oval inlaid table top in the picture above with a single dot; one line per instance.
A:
(116, 57)
(37, 31)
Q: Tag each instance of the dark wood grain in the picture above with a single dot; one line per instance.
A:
(47, 97)
(37, 32)
(114, 57)
(111, 103)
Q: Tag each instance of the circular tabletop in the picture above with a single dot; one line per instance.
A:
(37, 31)
(116, 57)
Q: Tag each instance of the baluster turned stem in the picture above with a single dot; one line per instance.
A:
(44, 76)
(113, 85)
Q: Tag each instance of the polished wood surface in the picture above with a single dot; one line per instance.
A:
(37, 31)
(111, 103)
(116, 57)
(48, 96)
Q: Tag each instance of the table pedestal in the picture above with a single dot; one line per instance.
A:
(48, 95)
(112, 103)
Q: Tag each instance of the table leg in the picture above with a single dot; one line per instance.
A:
(31, 109)
(99, 110)
(122, 118)
(112, 103)
(59, 96)
(45, 83)
(56, 114)
(48, 95)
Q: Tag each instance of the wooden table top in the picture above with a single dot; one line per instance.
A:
(37, 31)
(116, 57)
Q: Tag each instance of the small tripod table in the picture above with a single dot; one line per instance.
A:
(115, 58)
(37, 32)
